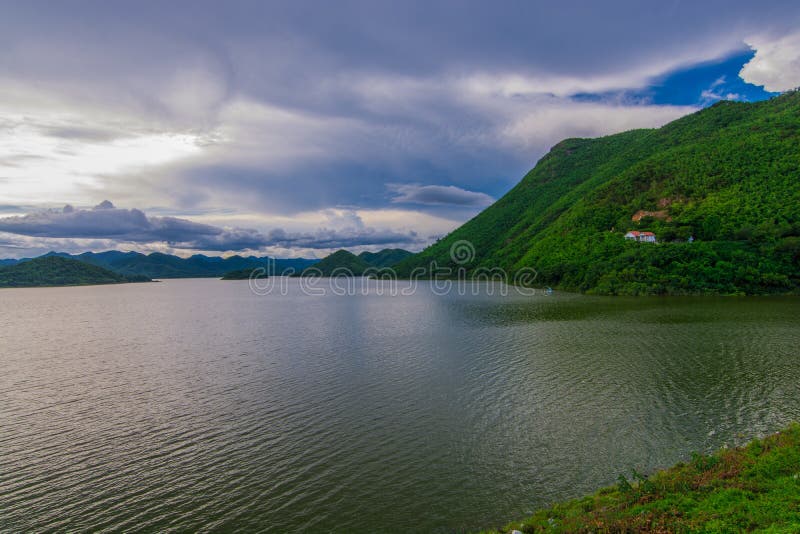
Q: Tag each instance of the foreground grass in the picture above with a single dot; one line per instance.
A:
(752, 488)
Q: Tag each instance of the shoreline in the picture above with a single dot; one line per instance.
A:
(749, 488)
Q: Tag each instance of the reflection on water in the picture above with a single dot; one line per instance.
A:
(194, 403)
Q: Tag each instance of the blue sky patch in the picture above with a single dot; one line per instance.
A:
(698, 85)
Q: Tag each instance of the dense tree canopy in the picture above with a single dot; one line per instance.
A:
(722, 192)
(59, 271)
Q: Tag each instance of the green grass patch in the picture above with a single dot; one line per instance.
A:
(755, 488)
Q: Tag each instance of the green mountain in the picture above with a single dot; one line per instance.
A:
(386, 257)
(58, 271)
(720, 189)
(244, 274)
(159, 265)
(340, 263)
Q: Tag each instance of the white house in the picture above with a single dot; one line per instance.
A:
(643, 237)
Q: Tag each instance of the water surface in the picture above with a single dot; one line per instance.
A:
(197, 405)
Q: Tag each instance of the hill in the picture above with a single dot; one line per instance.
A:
(340, 263)
(159, 265)
(58, 271)
(718, 188)
(244, 274)
(386, 257)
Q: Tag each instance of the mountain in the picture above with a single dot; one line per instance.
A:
(291, 265)
(386, 257)
(340, 263)
(59, 271)
(719, 189)
(243, 274)
(159, 265)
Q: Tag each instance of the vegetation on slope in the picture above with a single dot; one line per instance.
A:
(753, 488)
(726, 176)
(58, 271)
(159, 265)
(245, 274)
(340, 263)
(387, 257)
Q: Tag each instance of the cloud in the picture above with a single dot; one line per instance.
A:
(107, 222)
(51, 155)
(776, 65)
(261, 109)
(436, 195)
(9, 208)
(558, 119)
(333, 239)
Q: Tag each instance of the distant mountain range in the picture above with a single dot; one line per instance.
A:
(244, 274)
(340, 263)
(343, 262)
(159, 265)
(59, 271)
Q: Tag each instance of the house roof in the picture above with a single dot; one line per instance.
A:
(637, 233)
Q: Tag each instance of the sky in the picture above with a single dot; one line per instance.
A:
(297, 128)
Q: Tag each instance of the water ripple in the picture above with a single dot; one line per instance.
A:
(195, 405)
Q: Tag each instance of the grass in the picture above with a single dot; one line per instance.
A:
(755, 488)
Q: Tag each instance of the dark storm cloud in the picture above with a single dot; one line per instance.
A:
(105, 221)
(328, 239)
(408, 38)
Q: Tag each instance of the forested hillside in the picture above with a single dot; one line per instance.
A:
(58, 271)
(720, 189)
(160, 265)
(340, 263)
(386, 257)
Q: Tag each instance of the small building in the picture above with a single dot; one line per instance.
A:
(642, 237)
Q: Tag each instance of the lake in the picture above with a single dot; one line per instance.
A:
(199, 405)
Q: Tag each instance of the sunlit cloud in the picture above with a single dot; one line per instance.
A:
(776, 64)
(50, 158)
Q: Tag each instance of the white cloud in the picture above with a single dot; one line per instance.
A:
(776, 64)
(438, 195)
(257, 133)
(194, 91)
(544, 125)
(56, 156)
